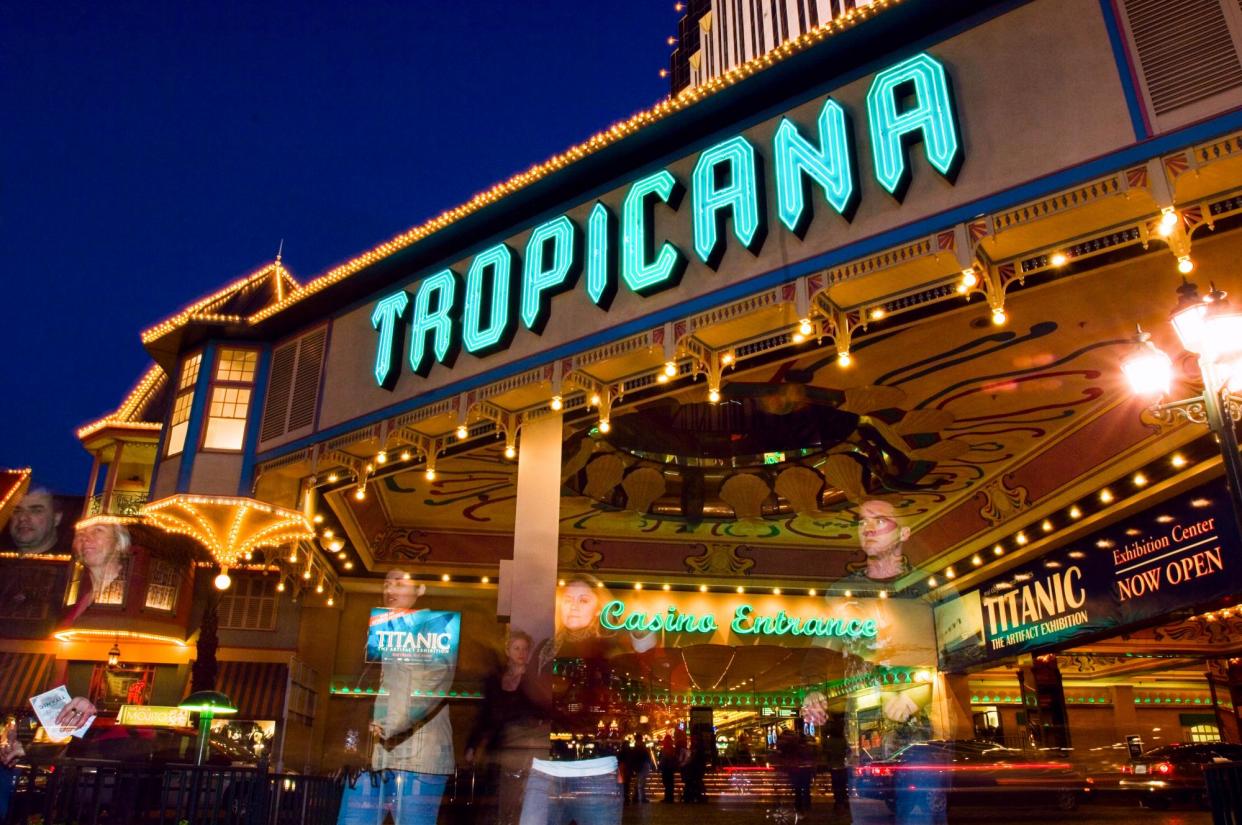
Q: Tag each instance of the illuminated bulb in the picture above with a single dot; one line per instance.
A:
(595, 399)
(666, 587)
(341, 555)
(328, 533)
(950, 573)
(804, 327)
(962, 289)
(349, 565)
(776, 591)
(306, 574)
(998, 317)
(812, 592)
(713, 395)
(883, 594)
(293, 558)
(798, 338)
(1074, 512)
(223, 581)
(877, 313)
(560, 582)
(336, 546)
(333, 478)
(741, 590)
(318, 519)
(510, 451)
(1185, 265)
(445, 577)
(331, 601)
(463, 432)
(998, 550)
(280, 587)
(931, 581)
(662, 378)
(726, 359)
(672, 41)
(969, 279)
(381, 457)
(405, 455)
(1058, 259)
(1106, 496)
(1021, 538)
(557, 403)
(638, 585)
(1178, 460)
(486, 580)
(702, 588)
(1168, 220)
(670, 368)
(849, 593)
(360, 493)
(844, 360)
(976, 560)
(604, 426)
(430, 474)
(319, 587)
(370, 467)
(1139, 480)
(1046, 526)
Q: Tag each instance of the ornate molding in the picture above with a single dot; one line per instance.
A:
(720, 560)
(999, 501)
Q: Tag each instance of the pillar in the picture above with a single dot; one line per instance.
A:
(1125, 715)
(952, 717)
(1225, 682)
(1043, 699)
(536, 528)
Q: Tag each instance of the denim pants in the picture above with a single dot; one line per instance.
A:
(411, 798)
(586, 800)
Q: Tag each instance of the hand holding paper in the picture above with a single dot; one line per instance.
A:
(61, 715)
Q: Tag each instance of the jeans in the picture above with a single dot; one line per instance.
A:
(7, 777)
(411, 798)
(586, 800)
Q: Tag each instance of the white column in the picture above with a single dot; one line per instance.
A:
(536, 528)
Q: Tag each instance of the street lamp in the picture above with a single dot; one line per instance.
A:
(1211, 329)
(207, 704)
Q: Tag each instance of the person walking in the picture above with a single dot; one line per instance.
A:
(668, 767)
(837, 751)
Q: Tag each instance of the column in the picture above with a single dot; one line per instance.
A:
(1043, 699)
(1125, 716)
(1224, 678)
(952, 717)
(536, 528)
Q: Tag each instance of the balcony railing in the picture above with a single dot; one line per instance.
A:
(117, 504)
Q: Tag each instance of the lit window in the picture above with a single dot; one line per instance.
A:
(163, 581)
(237, 365)
(226, 419)
(179, 424)
(113, 593)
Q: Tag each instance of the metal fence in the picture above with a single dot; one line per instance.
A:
(1224, 790)
(86, 792)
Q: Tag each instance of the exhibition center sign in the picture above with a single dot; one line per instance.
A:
(910, 103)
(1178, 555)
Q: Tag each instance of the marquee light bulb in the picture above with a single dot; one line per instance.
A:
(430, 474)
(510, 451)
(727, 358)
(666, 587)
(1178, 461)
(670, 368)
(557, 404)
(595, 399)
(349, 565)
(741, 590)
(1058, 259)
(950, 573)
(976, 560)
(1021, 538)
(405, 455)
(1140, 480)
(319, 588)
(1168, 220)
(306, 574)
(331, 601)
(463, 432)
(1185, 265)
(969, 279)
(798, 338)
(804, 327)
(1106, 496)
(1046, 526)
(702, 588)
(318, 518)
(998, 550)
(662, 378)
(486, 580)
(446, 577)
(381, 457)
(713, 395)
(280, 586)
(222, 581)
(998, 317)
(877, 313)
(333, 478)
(1074, 512)
(931, 581)
(604, 426)
(844, 359)
(638, 585)
(812, 592)
(329, 533)
(360, 493)
(336, 546)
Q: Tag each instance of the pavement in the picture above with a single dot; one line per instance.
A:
(740, 812)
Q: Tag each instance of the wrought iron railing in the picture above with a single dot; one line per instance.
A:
(88, 792)
(117, 504)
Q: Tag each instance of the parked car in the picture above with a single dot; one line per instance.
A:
(1174, 773)
(935, 775)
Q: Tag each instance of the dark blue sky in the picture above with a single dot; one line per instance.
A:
(152, 152)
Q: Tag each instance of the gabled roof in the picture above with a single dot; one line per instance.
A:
(235, 303)
(142, 409)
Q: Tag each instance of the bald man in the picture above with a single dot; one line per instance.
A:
(882, 538)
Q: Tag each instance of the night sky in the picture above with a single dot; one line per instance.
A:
(154, 152)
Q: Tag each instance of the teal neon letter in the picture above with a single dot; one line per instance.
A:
(931, 116)
(831, 165)
(642, 274)
(386, 318)
(740, 616)
(601, 259)
(436, 315)
(553, 262)
(727, 177)
(608, 617)
(494, 301)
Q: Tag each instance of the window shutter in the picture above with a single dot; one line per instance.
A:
(306, 380)
(279, 387)
(1186, 51)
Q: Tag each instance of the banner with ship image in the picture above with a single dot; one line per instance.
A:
(1180, 554)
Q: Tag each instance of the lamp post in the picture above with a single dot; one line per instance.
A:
(1212, 330)
(207, 703)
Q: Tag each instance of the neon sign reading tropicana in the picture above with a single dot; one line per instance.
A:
(907, 102)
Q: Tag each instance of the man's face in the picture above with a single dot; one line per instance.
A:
(401, 591)
(578, 604)
(94, 545)
(878, 531)
(34, 522)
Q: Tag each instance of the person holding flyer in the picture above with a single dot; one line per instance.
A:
(412, 752)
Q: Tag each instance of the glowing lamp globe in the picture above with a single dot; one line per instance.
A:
(1149, 371)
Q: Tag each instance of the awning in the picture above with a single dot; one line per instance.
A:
(23, 675)
(256, 688)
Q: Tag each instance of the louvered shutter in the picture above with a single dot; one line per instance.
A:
(293, 387)
(306, 380)
(1185, 49)
(279, 387)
